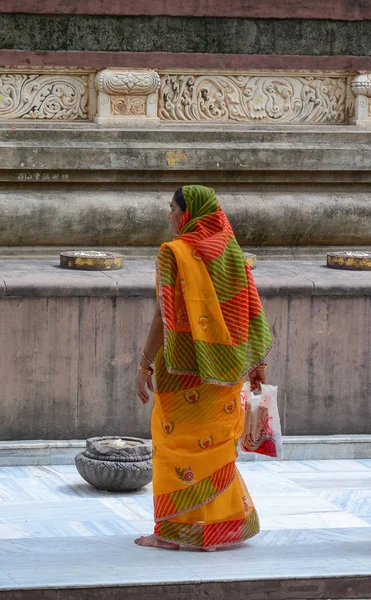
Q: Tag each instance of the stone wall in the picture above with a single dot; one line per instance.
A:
(224, 35)
(70, 343)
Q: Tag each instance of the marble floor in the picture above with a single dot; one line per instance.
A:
(56, 530)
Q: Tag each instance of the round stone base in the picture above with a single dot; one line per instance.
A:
(91, 260)
(350, 260)
(115, 464)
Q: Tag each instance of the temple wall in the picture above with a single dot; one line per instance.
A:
(185, 34)
(105, 109)
(73, 340)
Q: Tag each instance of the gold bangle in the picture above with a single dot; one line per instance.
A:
(148, 372)
(146, 358)
(263, 367)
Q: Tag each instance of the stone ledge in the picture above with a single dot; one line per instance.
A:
(174, 148)
(44, 279)
(306, 447)
(148, 253)
(129, 252)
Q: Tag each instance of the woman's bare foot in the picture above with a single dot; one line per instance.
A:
(153, 542)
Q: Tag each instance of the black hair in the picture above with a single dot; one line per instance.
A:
(179, 199)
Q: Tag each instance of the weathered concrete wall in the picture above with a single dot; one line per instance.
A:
(71, 369)
(70, 342)
(185, 34)
(118, 215)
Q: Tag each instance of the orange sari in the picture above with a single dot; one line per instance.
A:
(200, 499)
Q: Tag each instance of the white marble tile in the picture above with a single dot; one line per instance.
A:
(318, 520)
(259, 558)
(69, 510)
(6, 582)
(66, 564)
(76, 535)
(357, 502)
(275, 538)
(69, 519)
(341, 466)
(289, 466)
(253, 465)
(271, 483)
(129, 510)
(8, 532)
(366, 462)
(279, 506)
(332, 479)
(110, 560)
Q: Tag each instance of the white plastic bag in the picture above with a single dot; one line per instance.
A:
(262, 430)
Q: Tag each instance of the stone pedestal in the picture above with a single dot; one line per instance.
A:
(127, 98)
(361, 87)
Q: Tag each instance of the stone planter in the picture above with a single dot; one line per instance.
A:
(116, 464)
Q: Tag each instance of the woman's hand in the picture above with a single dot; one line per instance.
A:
(143, 382)
(155, 340)
(257, 377)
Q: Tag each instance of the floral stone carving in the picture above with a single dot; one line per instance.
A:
(59, 97)
(116, 464)
(127, 95)
(253, 98)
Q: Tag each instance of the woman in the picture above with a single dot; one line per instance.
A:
(209, 331)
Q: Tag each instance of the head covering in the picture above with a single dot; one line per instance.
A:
(214, 324)
(204, 224)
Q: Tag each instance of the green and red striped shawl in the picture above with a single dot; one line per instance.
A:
(206, 229)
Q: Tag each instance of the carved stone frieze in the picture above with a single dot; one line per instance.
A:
(126, 97)
(123, 97)
(273, 98)
(58, 97)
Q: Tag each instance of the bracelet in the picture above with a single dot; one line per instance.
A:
(262, 367)
(148, 372)
(147, 359)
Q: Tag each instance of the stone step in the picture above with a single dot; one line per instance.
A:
(304, 447)
(54, 131)
(263, 253)
(298, 588)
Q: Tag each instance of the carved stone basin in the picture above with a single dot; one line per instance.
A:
(116, 464)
